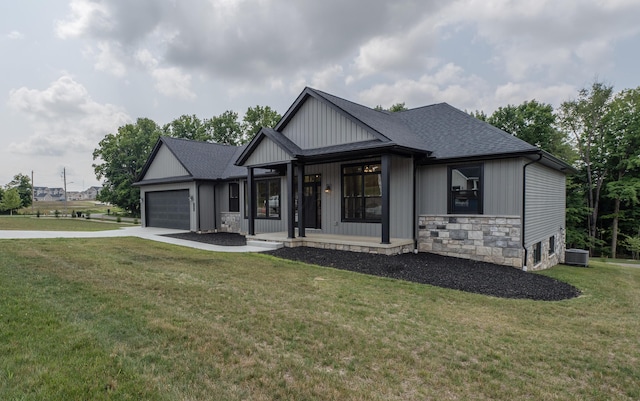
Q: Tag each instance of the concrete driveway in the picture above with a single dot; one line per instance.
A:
(150, 233)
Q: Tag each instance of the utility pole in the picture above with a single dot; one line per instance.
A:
(64, 177)
(33, 192)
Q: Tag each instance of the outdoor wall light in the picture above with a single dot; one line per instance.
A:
(328, 188)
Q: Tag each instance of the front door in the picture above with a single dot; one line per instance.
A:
(312, 201)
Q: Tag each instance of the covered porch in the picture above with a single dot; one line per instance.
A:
(336, 242)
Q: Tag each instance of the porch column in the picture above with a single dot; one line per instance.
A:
(291, 211)
(301, 210)
(386, 210)
(251, 201)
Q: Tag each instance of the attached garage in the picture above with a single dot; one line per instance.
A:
(168, 209)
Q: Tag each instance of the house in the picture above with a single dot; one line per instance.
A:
(183, 184)
(430, 179)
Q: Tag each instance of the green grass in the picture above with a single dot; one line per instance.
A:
(54, 224)
(48, 208)
(124, 318)
(611, 260)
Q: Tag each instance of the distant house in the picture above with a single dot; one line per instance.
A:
(430, 179)
(48, 194)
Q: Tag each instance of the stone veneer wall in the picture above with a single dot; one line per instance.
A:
(548, 260)
(494, 239)
(230, 222)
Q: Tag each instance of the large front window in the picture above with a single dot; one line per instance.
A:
(268, 199)
(362, 192)
(465, 189)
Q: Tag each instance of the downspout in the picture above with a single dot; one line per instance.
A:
(415, 207)
(215, 211)
(524, 202)
(199, 227)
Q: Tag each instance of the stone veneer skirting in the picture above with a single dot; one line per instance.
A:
(494, 239)
(230, 222)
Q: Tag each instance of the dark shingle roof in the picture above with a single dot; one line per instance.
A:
(203, 160)
(452, 133)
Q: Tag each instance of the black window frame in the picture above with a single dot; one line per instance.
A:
(269, 195)
(363, 204)
(552, 245)
(537, 253)
(234, 197)
(451, 193)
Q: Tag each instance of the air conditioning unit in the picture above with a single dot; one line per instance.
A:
(578, 257)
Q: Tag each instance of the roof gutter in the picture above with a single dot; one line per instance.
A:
(524, 203)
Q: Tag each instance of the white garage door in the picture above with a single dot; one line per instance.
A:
(168, 209)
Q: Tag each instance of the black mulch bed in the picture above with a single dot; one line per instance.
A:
(426, 268)
(223, 239)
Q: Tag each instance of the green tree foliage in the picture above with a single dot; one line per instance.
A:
(188, 127)
(584, 119)
(394, 107)
(226, 128)
(533, 122)
(622, 142)
(121, 159)
(10, 200)
(632, 244)
(256, 118)
(22, 183)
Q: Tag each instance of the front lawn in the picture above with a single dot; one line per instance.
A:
(129, 319)
(29, 223)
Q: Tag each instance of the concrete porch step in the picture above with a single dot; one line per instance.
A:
(273, 245)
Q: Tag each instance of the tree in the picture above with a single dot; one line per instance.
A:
(188, 127)
(533, 122)
(622, 142)
(394, 108)
(256, 118)
(11, 200)
(226, 129)
(22, 183)
(122, 158)
(584, 119)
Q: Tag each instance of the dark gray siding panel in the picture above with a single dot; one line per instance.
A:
(267, 152)
(503, 187)
(316, 124)
(545, 203)
(401, 197)
(432, 190)
(165, 165)
(168, 209)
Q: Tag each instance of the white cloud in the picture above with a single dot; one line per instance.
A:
(86, 16)
(110, 59)
(173, 82)
(448, 84)
(64, 118)
(15, 35)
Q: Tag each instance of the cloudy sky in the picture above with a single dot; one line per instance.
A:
(75, 70)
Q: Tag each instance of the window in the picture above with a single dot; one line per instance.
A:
(465, 189)
(537, 253)
(362, 192)
(268, 199)
(552, 245)
(234, 197)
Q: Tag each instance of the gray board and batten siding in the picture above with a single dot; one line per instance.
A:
(267, 152)
(165, 165)
(545, 207)
(502, 188)
(316, 125)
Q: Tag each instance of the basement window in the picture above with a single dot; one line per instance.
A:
(552, 245)
(537, 253)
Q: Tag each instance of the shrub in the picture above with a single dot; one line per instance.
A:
(73, 213)
(135, 221)
(38, 213)
(56, 213)
(118, 219)
(88, 216)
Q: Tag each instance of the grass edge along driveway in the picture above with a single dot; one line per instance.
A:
(29, 223)
(125, 318)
